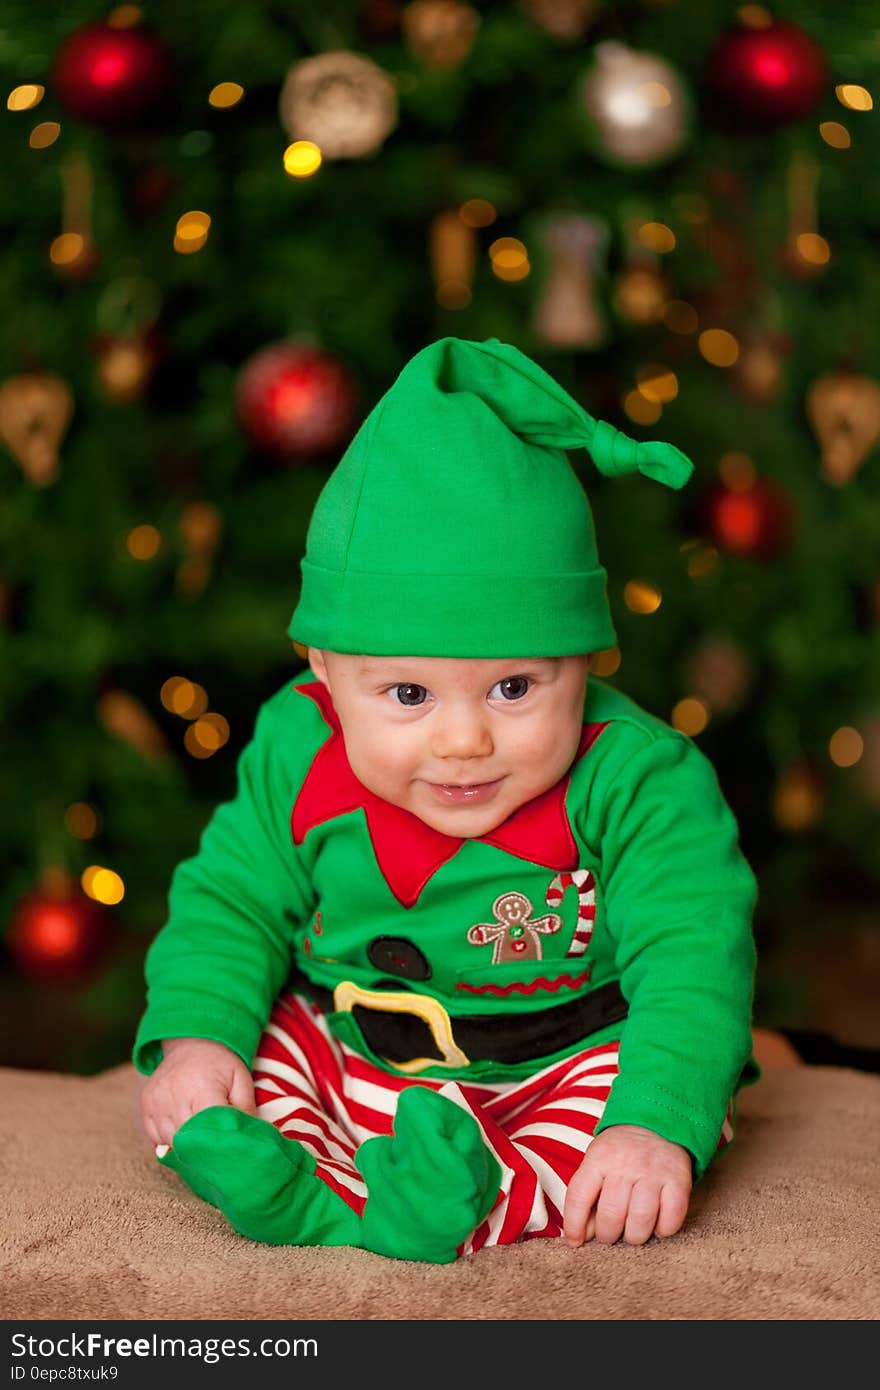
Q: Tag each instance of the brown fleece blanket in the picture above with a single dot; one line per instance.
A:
(784, 1225)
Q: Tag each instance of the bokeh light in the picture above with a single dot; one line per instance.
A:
(81, 821)
(26, 97)
(641, 597)
(143, 542)
(302, 159)
(690, 716)
(44, 135)
(104, 885)
(225, 95)
(846, 746)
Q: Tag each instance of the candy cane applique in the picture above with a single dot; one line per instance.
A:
(583, 881)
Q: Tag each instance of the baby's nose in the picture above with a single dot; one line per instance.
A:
(462, 734)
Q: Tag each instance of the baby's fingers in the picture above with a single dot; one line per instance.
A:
(641, 1218)
(580, 1199)
(612, 1209)
(673, 1209)
(241, 1092)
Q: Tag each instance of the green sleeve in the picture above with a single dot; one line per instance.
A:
(679, 898)
(215, 968)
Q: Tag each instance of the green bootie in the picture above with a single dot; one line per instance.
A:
(264, 1184)
(430, 1183)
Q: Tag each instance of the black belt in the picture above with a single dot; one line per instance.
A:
(402, 1036)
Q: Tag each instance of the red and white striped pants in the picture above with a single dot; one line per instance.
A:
(317, 1090)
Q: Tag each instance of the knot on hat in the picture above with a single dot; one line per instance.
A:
(615, 453)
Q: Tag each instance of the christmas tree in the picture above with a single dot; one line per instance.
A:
(226, 228)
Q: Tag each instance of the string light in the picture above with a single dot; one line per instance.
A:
(690, 716)
(640, 410)
(813, 248)
(854, 97)
(657, 383)
(191, 232)
(26, 97)
(44, 135)
(66, 248)
(302, 159)
(641, 597)
(835, 135)
(606, 663)
(184, 698)
(81, 821)
(208, 734)
(103, 885)
(143, 542)
(656, 236)
(846, 746)
(718, 347)
(225, 94)
(477, 212)
(510, 259)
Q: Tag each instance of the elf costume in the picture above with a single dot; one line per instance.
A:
(450, 1021)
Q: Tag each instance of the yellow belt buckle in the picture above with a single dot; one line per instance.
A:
(347, 994)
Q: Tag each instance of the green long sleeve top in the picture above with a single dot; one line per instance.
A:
(635, 851)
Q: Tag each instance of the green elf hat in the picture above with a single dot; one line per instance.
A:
(454, 525)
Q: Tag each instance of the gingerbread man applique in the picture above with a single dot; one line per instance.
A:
(515, 934)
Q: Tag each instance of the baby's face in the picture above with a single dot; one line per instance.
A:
(461, 743)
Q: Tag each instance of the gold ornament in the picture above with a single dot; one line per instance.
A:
(201, 527)
(638, 104)
(126, 718)
(567, 314)
(564, 19)
(440, 33)
(844, 412)
(35, 410)
(343, 102)
(453, 248)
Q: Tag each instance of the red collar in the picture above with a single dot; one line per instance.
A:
(408, 851)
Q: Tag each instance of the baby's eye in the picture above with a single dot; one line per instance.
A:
(512, 687)
(408, 695)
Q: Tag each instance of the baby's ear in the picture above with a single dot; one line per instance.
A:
(318, 664)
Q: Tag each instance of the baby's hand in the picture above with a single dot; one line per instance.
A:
(631, 1183)
(193, 1074)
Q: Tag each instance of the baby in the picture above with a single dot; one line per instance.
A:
(468, 959)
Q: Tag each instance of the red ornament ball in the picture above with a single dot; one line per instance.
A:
(768, 76)
(55, 938)
(294, 400)
(756, 521)
(111, 76)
